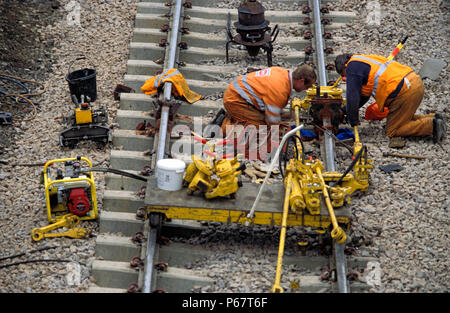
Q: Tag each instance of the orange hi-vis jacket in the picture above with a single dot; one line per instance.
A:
(268, 90)
(176, 78)
(384, 76)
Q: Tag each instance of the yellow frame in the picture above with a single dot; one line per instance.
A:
(48, 183)
(240, 216)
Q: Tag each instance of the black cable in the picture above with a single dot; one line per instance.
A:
(357, 157)
(21, 85)
(337, 140)
(114, 171)
(284, 157)
(40, 260)
(303, 147)
(29, 252)
(286, 152)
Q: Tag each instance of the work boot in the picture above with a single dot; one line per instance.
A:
(440, 116)
(439, 130)
(396, 142)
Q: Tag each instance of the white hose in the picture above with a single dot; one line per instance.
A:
(272, 164)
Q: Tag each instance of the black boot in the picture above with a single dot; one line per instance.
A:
(440, 116)
(439, 129)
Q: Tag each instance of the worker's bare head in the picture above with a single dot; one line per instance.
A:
(340, 62)
(303, 77)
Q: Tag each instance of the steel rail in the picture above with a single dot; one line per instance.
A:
(170, 63)
(328, 142)
(319, 44)
(168, 86)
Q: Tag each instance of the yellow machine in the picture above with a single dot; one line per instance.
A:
(70, 198)
(71, 192)
(83, 114)
(200, 174)
(85, 124)
(332, 92)
(306, 183)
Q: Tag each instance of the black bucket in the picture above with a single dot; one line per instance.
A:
(82, 82)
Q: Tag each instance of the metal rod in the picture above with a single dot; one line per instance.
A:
(163, 132)
(329, 149)
(276, 286)
(149, 260)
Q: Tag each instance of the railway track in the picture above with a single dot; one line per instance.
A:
(129, 257)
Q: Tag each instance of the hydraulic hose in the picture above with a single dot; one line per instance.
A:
(29, 252)
(286, 152)
(40, 260)
(112, 170)
(357, 157)
(23, 98)
(16, 80)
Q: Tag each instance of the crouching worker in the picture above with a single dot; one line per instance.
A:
(258, 98)
(394, 86)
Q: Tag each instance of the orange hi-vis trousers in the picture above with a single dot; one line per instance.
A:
(243, 113)
(402, 120)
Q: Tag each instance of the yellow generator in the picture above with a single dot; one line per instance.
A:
(71, 192)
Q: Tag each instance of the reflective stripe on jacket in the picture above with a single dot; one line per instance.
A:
(176, 78)
(384, 76)
(268, 90)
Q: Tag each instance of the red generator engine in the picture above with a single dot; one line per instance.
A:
(78, 202)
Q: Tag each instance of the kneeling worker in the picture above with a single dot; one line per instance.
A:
(258, 98)
(394, 86)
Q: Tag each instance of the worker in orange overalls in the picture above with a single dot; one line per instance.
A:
(258, 98)
(394, 86)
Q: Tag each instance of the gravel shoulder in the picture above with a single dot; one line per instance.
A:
(405, 214)
(45, 46)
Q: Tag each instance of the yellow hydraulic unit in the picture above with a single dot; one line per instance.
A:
(306, 184)
(86, 123)
(71, 191)
(332, 92)
(200, 174)
(83, 114)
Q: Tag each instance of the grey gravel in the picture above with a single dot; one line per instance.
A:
(103, 36)
(408, 208)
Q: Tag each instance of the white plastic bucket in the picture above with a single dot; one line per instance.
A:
(169, 174)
